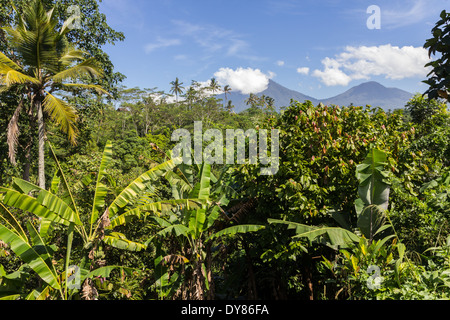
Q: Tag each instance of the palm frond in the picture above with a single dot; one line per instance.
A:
(88, 67)
(71, 55)
(62, 114)
(11, 77)
(95, 87)
(13, 134)
(4, 60)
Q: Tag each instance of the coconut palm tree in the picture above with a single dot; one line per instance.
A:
(41, 63)
(191, 95)
(177, 88)
(214, 85)
(226, 90)
(252, 100)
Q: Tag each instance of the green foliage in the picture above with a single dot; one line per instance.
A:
(340, 220)
(64, 211)
(439, 76)
(185, 267)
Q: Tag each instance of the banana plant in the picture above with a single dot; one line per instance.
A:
(370, 207)
(52, 210)
(188, 266)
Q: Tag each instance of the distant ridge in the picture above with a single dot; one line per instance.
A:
(374, 94)
(368, 93)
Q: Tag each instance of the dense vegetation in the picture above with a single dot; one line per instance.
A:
(359, 208)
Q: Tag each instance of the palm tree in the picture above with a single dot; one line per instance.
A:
(177, 88)
(252, 100)
(42, 62)
(214, 85)
(230, 106)
(191, 95)
(226, 90)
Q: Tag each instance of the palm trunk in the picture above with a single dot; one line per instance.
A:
(41, 149)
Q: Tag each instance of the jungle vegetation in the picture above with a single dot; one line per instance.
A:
(94, 206)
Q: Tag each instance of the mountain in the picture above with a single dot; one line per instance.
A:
(372, 93)
(368, 93)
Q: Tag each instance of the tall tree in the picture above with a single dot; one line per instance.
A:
(252, 100)
(40, 63)
(439, 77)
(214, 85)
(90, 31)
(226, 90)
(191, 95)
(177, 88)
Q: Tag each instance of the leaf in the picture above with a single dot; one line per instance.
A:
(233, 230)
(5, 214)
(196, 221)
(101, 190)
(63, 115)
(13, 133)
(202, 188)
(11, 297)
(178, 229)
(371, 220)
(178, 182)
(88, 67)
(48, 200)
(103, 272)
(5, 61)
(95, 87)
(29, 256)
(337, 236)
(373, 191)
(134, 189)
(160, 207)
(119, 241)
(401, 252)
(381, 243)
(11, 77)
(60, 174)
(38, 244)
(342, 218)
(373, 185)
(18, 200)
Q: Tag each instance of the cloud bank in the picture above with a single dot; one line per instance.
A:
(243, 80)
(362, 62)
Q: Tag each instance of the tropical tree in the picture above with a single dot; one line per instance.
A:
(214, 85)
(177, 88)
(373, 230)
(191, 96)
(439, 76)
(43, 62)
(252, 100)
(135, 200)
(186, 270)
(226, 90)
(421, 108)
(229, 106)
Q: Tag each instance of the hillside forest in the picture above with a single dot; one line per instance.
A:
(95, 206)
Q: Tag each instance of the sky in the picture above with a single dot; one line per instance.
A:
(320, 48)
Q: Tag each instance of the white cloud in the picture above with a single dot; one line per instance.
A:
(280, 63)
(303, 70)
(161, 43)
(243, 80)
(362, 62)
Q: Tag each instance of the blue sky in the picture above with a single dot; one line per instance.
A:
(319, 48)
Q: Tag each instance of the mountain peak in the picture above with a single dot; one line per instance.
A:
(367, 93)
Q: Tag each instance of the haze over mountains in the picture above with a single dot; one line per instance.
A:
(368, 93)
